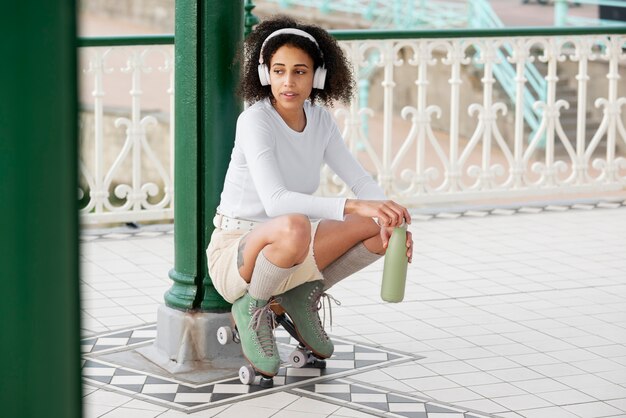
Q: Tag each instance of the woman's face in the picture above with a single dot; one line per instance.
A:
(291, 77)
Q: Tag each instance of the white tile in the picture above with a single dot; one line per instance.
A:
(98, 371)
(350, 413)
(239, 410)
(406, 407)
(128, 380)
(308, 405)
(193, 397)
(112, 341)
(451, 367)
(482, 405)
(298, 414)
(566, 397)
(606, 392)
(94, 411)
(430, 383)
(475, 378)
(519, 402)
(159, 388)
(593, 409)
(453, 395)
(275, 400)
(129, 412)
(550, 412)
(369, 397)
(332, 388)
(138, 404)
(537, 386)
(105, 398)
(497, 390)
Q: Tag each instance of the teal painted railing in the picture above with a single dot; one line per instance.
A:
(483, 16)
(398, 14)
(563, 18)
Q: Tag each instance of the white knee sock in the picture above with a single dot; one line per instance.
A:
(355, 259)
(266, 277)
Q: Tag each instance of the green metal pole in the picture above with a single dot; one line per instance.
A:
(40, 309)
(250, 20)
(207, 34)
(560, 12)
(222, 34)
(187, 230)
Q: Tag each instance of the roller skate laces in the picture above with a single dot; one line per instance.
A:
(303, 304)
(256, 322)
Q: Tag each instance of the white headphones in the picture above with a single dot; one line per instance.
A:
(319, 77)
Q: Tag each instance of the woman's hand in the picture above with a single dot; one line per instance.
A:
(388, 212)
(385, 234)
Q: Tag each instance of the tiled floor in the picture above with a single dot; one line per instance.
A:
(516, 313)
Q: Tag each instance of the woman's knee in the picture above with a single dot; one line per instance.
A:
(295, 231)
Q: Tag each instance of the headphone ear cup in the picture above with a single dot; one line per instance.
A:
(319, 78)
(264, 75)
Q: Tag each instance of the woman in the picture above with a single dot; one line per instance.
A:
(276, 246)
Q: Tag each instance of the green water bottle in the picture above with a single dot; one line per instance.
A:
(394, 272)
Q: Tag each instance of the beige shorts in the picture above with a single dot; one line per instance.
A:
(222, 259)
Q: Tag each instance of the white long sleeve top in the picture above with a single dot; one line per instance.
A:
(275, 170)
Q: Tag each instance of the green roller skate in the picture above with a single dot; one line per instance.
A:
(255, 328)
(302, 304)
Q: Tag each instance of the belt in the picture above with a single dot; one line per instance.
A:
(226, 223)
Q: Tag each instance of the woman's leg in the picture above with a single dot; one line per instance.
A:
(266, 257)
(284, 241)
(335, 238)
(340, 249)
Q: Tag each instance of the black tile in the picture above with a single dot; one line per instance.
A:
(221, 396)
(362, 349)
(90, 363)
(393, 398)
(433, 408)
(203, 389)
(165, 396)
(125, 334)
(361, 389)
(132, 388)
(343, 356)
(124, 372)
(190, 404)
(156, 380)
(376, 405)
(341, 396)
(365, 363)
(412, 414)
(138, 340)
(103, 379)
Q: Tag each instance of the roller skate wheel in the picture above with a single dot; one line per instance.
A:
(266, 382)
(224, 335)
(319, 363)
(298, 358)
(246, 374)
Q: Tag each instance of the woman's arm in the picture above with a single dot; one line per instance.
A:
(257, 141)
(370, 199)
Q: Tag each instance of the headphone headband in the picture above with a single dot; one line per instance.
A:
(291, 31)
(319, 76)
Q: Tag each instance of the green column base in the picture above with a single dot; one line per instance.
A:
(183, 292)
(212, 301)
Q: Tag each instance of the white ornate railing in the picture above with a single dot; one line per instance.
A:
(122, 178)
(439, 130)
(416, 166)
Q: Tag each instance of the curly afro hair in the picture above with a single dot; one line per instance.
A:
(339, 83)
